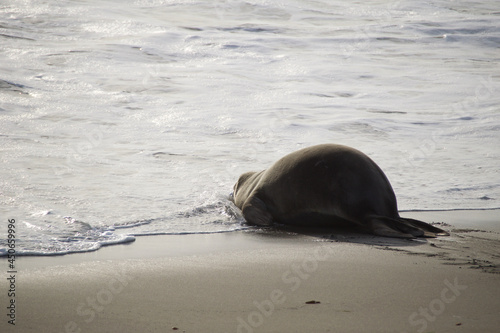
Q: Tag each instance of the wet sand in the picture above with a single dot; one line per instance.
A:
(270, 281)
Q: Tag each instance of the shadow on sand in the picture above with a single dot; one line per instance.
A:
(341, 234)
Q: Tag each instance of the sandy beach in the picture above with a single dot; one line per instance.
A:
(270, 281)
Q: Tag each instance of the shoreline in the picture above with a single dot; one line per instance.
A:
(270, 281)
(487, 219)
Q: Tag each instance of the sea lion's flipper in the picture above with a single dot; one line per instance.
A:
(382, 226)
(255, 212)
(403, 228)
(425, 226)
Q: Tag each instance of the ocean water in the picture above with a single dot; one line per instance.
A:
(128, 118)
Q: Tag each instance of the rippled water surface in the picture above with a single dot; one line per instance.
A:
(121, 118)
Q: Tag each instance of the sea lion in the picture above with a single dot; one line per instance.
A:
(326, 184)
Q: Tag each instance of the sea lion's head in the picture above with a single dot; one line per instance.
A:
(240, 183)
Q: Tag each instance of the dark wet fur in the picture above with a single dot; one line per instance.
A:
(408, 226)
